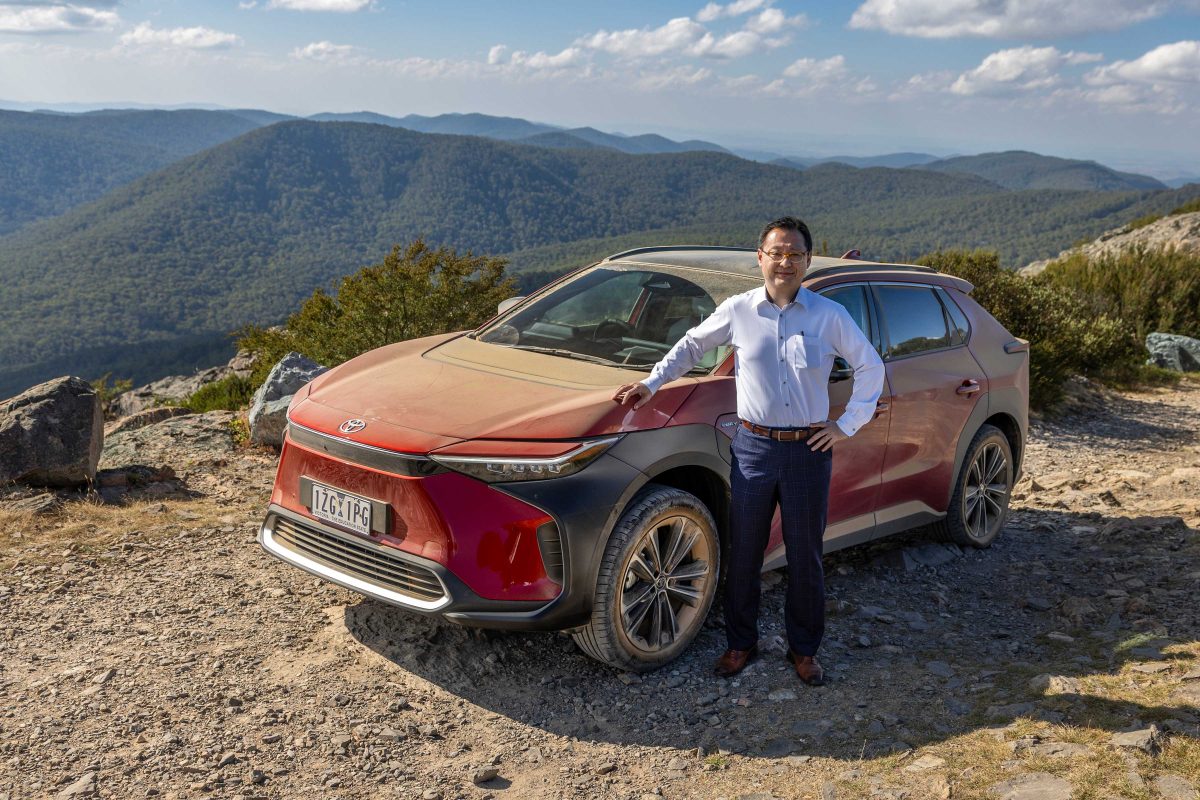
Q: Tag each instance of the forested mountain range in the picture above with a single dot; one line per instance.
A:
(1019, 169)
(894, 160)
(52, 162)
(152, 277)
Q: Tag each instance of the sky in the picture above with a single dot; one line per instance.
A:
(1117, 81)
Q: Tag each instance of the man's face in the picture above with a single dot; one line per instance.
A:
(783, 277)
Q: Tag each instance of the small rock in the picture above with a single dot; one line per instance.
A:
(1033, 786)
(629, 678)
(940, 668)
(1053, 684)
(1146, 739)
(1151, 667)
(1173, 787)
(104, 677)
(675, 681)
(1038, 603)
(1055, 636)
(924, 763)
(605, 768)
(781, 695)
(1192, 675)
(85, 786)
(484, 774)
(677, 764)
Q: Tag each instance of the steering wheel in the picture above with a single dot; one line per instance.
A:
(611, 329)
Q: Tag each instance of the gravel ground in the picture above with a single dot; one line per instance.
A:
(152, 649)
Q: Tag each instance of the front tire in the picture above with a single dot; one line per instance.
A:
(979, 506)
(657, 580)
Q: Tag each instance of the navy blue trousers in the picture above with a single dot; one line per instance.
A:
(767, 473)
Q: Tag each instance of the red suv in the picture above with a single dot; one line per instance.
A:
(489, 477)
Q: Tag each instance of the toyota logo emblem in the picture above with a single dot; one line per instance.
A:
(352, 426)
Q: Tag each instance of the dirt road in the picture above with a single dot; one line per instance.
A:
(153, 650)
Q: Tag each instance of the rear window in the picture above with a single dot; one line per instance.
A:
(914, 320)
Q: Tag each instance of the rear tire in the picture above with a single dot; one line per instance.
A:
(657, 580)
(979, 506)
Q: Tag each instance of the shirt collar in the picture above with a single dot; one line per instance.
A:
(801, 299)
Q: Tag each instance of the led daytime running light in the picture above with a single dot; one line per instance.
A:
(501, 469)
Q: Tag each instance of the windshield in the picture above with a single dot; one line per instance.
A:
(625, 315)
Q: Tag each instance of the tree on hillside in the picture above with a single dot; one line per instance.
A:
(416, 291)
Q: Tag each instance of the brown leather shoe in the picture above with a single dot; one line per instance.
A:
(808, 669)
(732, 662)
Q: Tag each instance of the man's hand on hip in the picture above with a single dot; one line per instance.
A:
(829, 435)
(635, 394)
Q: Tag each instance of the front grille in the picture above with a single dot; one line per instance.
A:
(361, 558)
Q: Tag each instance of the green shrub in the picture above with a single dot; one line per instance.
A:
(1186, 208)
(1066, 337)
(227, 394)
(1150, 289)
(109, 392)
(416, 291)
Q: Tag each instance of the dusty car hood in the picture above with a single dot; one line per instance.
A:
(419, 395)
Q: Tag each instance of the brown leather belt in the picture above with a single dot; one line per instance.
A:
(780, 434)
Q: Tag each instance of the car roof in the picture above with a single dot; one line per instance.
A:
(744, 261)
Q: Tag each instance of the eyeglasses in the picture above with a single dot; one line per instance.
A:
(778, 256)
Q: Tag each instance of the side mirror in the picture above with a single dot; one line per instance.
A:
(505, 305)
(841, 370)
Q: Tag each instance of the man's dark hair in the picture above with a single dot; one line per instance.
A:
(787, 224)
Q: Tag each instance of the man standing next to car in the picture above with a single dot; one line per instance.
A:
(785, 338)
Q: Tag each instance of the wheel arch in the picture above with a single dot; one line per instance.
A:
(1012, 431)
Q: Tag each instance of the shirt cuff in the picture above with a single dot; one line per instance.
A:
(652, 383)
(846, 427)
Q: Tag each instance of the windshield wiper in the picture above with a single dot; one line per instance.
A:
(556, 351)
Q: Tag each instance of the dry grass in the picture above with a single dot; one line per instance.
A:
(87, 527)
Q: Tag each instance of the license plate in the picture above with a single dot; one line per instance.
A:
(341, 508)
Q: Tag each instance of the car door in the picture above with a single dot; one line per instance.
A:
(857, 461)
(935, 384)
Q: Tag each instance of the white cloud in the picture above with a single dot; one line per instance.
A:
(677, 35)
(819, 71)
(569, 57)
(197, 38)
(772, 20)
(683, 36)
(1041, 19)
(1169, 63)
(714, 11)
(673, 78)
(496, 54)
(39, 18)
(341, 6)
(246, 5)
(1017, 70)
(324, 51)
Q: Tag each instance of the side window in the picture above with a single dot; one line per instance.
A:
(960, 329)
(915, 321)
(854, 300)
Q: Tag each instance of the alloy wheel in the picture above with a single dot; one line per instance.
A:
(986, 492)
(664, 584)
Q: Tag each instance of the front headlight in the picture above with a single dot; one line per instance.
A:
(500, 468)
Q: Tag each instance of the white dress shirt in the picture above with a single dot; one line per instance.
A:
(783, 358)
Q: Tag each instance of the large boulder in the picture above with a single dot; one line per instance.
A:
(1169, 350)
(268, 407)
(51, 435)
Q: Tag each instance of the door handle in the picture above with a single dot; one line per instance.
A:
(882, 407)
(969, 386)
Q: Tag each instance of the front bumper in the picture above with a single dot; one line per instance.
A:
(390, 575)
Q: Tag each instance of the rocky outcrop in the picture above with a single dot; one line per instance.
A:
(141, 419)
(1172, 351)
(268, 408)
(1179, 231)
(51, 435)
(174, 389)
